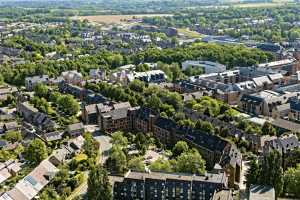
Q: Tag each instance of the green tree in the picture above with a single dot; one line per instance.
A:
(13, 136)
(179, 148)
(253, 173)
(272, 172)
(161, 165)
(136, 164)
(190, 162)
(49, 193)
(68, 105)
(1, 79)
(204, 126)
(117, 161)
(142, 142)
(99, 187)
(41, 90)
(292, 158)
(142, 68)
(36, 151)
(54, 96)
(292, 181)
(268, 129)
(154, 102)
(118, 138)
(186, 122)
(91, 147)
(137, 86)
(176, 72)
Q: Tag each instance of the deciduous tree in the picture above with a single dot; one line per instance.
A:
(99, 187)
(36, 151)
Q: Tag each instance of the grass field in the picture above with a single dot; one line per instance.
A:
(115, 19)
(189, 33)
(260, 5)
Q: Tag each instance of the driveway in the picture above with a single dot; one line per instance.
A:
(105, 145)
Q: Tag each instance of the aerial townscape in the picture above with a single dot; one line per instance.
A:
(149, 99)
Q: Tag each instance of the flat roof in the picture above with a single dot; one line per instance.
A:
(208, 177)
(277, 63)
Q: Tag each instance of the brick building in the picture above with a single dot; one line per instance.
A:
(154, 185)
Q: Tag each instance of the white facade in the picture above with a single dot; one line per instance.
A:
(207, 66)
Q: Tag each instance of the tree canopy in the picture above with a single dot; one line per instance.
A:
(36, 151)
(99, 187)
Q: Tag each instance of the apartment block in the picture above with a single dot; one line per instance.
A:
(265, 102)
(155, 185)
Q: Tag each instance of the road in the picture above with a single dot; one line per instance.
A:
(105, 147)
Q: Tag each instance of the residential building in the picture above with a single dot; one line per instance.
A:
(163, 129)
(97, 74)
(144, 119)
(32, 115)
(283, 125)
(283, 144)
(52, 136)
(28, 187)
(289, 65)
(263, 83)
(223, 195)
(212, 148)
(122, 116)
(26, 110)
(207, 66)
(6, 90)
(72, 77)
(152, 76)
(119, 76)
(44, 122)
(264, 103)
(155, 185)
(8, 169)
(272, 47)
(31, 82)
(230, 85)
(88, 96)
(94, 98)
(74, 90)
(75, 130)
(117, 117)
(257, 142)
(11, 126)
(190, 96)
(67, 150)
(90, 114)
(294, 109)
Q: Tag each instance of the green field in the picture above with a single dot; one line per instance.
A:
(189, 33)
(258, 5)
